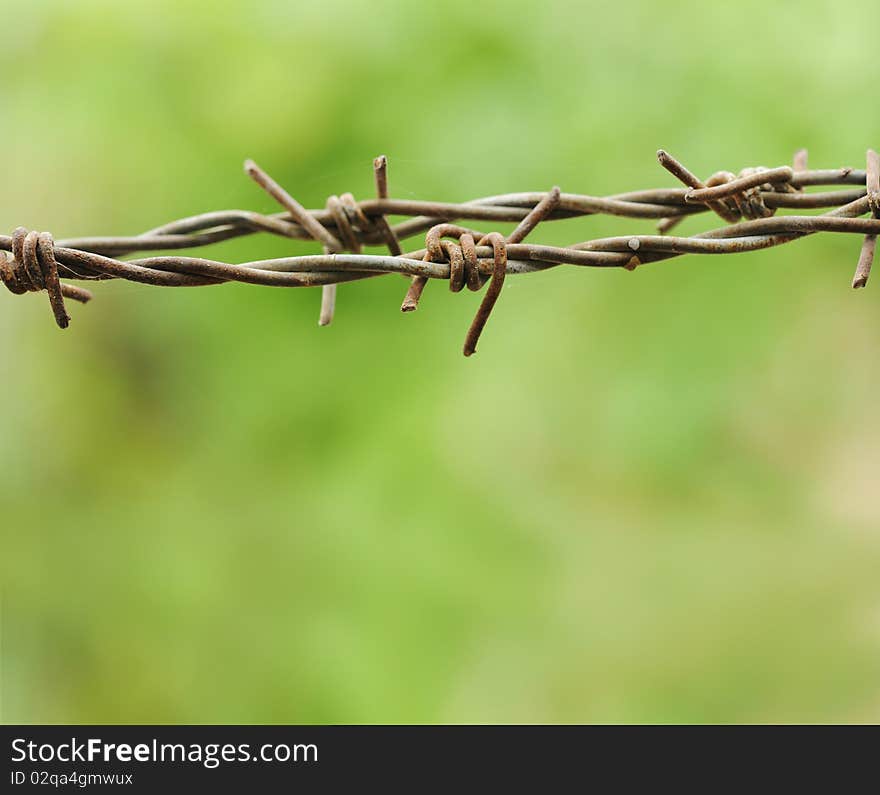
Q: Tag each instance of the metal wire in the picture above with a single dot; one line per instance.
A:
(747, 203)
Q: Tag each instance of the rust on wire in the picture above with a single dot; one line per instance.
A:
(462, 256)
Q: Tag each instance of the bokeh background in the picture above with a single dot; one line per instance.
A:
(649, 497)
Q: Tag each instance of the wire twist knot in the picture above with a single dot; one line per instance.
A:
(746, 200)
(464, 269)
(352, 223)
(33, 268)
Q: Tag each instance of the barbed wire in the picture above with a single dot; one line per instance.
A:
(463, 256)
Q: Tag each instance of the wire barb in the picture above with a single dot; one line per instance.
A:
(380, 172)
(748, 202)
(317, 231)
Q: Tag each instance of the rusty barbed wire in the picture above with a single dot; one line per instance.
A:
(746, 202)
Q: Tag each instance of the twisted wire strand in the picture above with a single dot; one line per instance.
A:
(747, 203)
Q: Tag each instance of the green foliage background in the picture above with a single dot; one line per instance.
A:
(649, 497)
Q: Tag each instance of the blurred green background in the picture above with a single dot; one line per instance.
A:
(649, 497)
